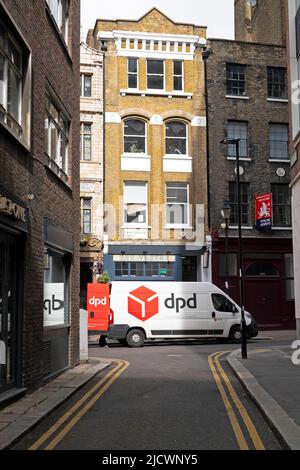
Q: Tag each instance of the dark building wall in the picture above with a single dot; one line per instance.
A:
(265, 22)
(23, 172)
(256, 110)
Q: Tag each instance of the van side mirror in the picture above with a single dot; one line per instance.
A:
(234, 309)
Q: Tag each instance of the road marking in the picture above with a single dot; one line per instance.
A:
(108, 379)
(231, 414)
(258, 444)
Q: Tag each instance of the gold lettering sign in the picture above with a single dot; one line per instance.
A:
(11, 208)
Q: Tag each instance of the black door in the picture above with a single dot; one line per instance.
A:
(10, 268)
(189, 269)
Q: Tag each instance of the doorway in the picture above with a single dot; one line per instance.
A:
(10, 268)
(189, 268)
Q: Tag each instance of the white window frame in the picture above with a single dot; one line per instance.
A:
(180, 76)
(63, 166)
(177, 155)
(175, 225)
(146, 135)
(156, 75)
(8, 117)
(56, 8)
(132, 73)
(82, 78)
(135, 224)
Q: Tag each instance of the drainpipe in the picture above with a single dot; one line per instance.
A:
(205, 55)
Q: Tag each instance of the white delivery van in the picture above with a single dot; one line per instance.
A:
(165, 310)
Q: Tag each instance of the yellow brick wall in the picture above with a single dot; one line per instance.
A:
(147, 106)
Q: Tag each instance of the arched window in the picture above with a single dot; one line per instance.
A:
(134, 136)
(176, 138)
(262, 269)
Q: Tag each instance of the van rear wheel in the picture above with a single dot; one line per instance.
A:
(135, 338)
(235, 335)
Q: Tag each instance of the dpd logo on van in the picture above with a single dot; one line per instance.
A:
(143, 303)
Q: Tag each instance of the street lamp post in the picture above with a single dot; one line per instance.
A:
(225, 213)
(236, 142)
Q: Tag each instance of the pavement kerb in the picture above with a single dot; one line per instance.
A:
(10, 435)
(282, 424)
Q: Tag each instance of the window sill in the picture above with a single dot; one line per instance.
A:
(171, 156)
(171, 94)
(244, 227)
(136, 226)
(237, 97)
(286, 229)
(136, 155)
(58, 172)
(279, 160)
(177, 227)
(278, 100)
(243, 159)
(20, 141)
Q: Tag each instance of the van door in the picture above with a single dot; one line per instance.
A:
(223, 312)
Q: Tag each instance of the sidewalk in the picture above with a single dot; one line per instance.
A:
(23, 415)
(273, 382)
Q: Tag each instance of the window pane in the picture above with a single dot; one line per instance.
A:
(136, 213)
(177, 214)
(155, 82)
(87, 221)
(176, 129)
(177, 193)
(177, 67)
(132, 81)
(178, 83)
(132, 65)
(87, 148)
(134, 127)
(155, 67)
(1, 79)
(279, 141)
(238, 130)
(87, 85)
(137, 269)
(235, 79)
(134, 144)
(176, 146)
(13, 93)
(14, 55)
(277, 82)
(53, 150)
(281, 205)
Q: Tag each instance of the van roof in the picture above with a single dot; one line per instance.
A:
(162, 286)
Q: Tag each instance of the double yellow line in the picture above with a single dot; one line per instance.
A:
(222, 378)
(64, 425)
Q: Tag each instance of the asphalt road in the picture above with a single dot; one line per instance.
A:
(173, 396)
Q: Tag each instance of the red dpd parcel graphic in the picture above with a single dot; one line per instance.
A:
(143, 303)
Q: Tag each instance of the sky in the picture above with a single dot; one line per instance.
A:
(217, 15)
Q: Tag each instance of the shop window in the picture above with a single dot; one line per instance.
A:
(289, 275)
(152, 269)
(261, 269)
(232, 265)
(15, 78)
(56, 289)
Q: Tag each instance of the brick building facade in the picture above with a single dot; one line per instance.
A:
(39, 191)
(91, 166)
(248, 99)
(294, 76)
(155, 148)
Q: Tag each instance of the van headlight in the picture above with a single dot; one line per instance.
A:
(248, 315)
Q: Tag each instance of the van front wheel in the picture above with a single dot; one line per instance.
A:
(135, 338)
(235, 335)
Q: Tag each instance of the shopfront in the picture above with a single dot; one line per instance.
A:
(13, 228)
(58, 255)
